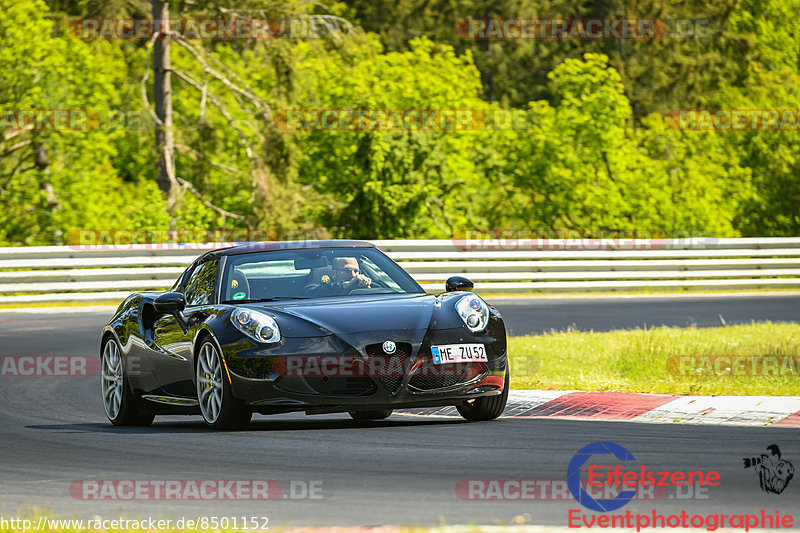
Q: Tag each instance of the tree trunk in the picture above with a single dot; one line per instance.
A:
(162, 94)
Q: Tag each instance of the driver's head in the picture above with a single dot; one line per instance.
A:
(344, 268)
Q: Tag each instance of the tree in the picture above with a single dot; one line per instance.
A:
(55, 176)
(398, 181)
(162, 96)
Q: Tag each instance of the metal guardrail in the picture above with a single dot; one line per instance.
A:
(65, 273)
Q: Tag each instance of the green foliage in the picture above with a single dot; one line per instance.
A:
(393, 184)
(55, 180)
(590, 146)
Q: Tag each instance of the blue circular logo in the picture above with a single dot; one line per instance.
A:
(574, 476)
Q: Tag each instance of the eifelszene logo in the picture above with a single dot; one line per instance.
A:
(774, 473)
(574, 476)
(600, 475)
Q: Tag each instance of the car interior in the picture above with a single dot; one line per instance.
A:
(238, 287)
(290, 278)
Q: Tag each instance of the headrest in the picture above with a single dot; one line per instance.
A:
(238, 287)
(320, 275)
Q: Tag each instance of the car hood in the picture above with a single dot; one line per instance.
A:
(342, 316)
(362, 321)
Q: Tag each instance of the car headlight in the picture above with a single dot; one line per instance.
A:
(473, 311)
(256, 325)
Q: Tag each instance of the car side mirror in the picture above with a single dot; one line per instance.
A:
(458, 283)
(169, 303)
(172, 303)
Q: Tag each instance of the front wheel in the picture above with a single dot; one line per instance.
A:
(118, 401)
(219, 408)
(378, 414)
(486, 408)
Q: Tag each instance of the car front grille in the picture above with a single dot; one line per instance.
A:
(336, 386)
(391, 384)
(433, 382)
(431, 377)
(389, 369)
(356, 387)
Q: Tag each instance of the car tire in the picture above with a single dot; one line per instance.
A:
(118, 400)
(219, 408)
(378, 414)
(486, 408)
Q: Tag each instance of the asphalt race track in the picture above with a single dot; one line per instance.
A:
(404, 470)
(526, 316)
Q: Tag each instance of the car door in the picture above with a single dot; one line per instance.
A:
(173, 366)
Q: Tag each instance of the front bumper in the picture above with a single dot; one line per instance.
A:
(327, 374)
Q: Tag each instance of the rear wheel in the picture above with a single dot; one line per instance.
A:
(219, 408)
(378, 414)
(486, 408)
(118, 401)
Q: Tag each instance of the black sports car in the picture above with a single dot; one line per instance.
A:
(314, 326)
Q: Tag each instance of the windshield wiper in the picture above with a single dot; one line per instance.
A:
(271, 299)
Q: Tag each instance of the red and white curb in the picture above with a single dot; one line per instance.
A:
(782, 411)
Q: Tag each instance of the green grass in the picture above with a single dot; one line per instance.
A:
(636, 360)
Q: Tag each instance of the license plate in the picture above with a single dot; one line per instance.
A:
(458, 353)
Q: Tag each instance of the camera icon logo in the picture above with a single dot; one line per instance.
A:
(774, 472)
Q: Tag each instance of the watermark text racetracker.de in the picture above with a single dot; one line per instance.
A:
(734, 119)
(375, 365)
(558, 239)
(78, 120)
(584, 29)
(776, 366)
(178, 239)
(304, 27)
(194, 490)
(557, 490)
(49, 366)
(196, 523)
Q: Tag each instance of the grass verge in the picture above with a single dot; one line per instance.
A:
(663, 360)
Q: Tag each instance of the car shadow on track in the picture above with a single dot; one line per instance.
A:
(191, 426)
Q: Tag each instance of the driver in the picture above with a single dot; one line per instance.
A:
(345, 276)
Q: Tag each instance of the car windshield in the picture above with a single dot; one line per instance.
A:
(312, 273)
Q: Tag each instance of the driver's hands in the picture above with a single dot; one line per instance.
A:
(359, 281)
